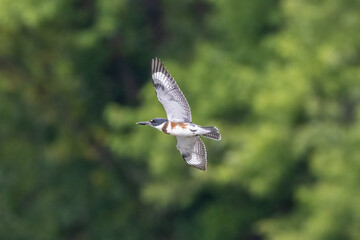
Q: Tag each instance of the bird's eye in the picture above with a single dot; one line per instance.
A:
(152, 121)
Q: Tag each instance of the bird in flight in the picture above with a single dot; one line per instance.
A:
(178, 122)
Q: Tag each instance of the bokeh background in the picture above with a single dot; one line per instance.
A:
(279, 78)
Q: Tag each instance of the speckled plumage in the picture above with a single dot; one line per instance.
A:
(179, 123)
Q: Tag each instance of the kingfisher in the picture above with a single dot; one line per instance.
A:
(178, 122)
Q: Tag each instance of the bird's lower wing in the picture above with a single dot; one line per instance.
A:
(193, 151)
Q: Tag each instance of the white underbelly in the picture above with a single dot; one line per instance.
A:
(185, 130)
(178, 131)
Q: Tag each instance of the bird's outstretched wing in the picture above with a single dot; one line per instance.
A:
(193, 151)
(169, 94)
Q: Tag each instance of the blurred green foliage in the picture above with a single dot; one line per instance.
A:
(279, 78)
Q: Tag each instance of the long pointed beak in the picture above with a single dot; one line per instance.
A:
(143, 123)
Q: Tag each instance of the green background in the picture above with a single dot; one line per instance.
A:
(279, 78)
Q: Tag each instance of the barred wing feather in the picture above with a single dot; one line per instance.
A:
(193, 151)
(169, 94)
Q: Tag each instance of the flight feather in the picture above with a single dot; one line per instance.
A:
(169, 94)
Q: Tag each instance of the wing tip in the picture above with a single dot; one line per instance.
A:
(152, 65)
(199, 166)
(203, 168)
(158, 66)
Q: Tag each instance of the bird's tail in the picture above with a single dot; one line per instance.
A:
(213, 134)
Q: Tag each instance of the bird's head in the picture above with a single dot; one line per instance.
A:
(156, 123)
